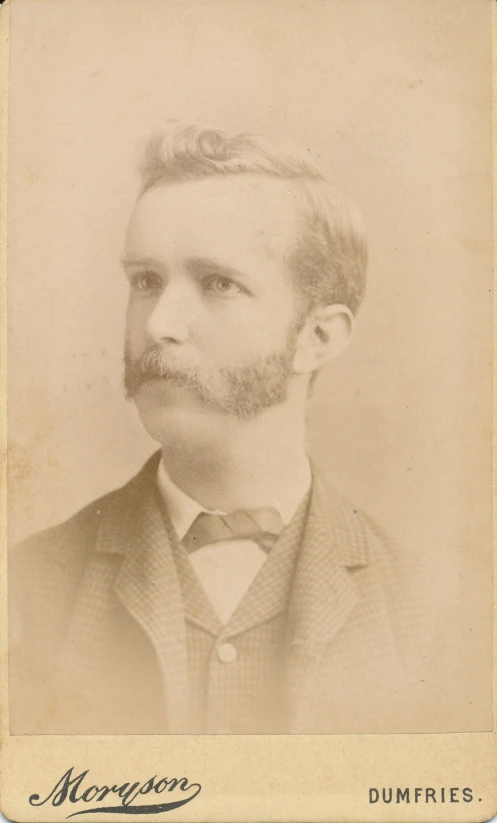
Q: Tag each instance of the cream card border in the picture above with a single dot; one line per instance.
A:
(243, 778)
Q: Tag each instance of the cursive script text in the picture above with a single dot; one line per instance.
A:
(69, 789)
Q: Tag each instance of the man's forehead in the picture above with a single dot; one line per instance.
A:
(249, 212)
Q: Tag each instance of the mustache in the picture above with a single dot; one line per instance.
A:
(156, 364)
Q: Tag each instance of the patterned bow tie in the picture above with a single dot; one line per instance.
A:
(263, 526)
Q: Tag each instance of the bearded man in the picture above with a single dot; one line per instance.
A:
(228, 588)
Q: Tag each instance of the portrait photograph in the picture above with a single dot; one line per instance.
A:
(248, 396)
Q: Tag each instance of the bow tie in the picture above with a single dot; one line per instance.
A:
(263, 526)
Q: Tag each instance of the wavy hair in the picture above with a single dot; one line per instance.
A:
(328, 261)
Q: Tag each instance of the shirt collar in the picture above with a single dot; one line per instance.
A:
(183, 510)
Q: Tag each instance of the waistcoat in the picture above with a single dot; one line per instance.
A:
(236, 670)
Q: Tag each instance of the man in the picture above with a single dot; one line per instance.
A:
(227, 588)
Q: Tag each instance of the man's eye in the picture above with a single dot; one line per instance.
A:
(146, 281)
(222, 285)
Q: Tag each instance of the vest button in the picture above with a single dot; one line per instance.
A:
(226, 653)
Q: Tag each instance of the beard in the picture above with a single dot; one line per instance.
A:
(241, 391)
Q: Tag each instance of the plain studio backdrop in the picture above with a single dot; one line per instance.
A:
(393, 97)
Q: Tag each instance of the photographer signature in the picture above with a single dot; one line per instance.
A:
(69, 789)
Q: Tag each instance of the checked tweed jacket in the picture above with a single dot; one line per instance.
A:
(97, 626)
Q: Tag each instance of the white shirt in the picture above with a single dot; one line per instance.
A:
(227, 568)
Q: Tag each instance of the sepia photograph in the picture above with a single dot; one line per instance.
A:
(249, 258)
(223, 572)
(231, 582)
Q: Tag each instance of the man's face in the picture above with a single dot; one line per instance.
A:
(212, 318)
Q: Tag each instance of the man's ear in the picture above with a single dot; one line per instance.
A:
(326, 333)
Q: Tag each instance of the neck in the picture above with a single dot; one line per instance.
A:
(242, 464)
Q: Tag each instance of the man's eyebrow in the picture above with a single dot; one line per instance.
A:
(199, 266)
(130, 260)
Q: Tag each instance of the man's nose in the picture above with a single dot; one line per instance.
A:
(171, 316)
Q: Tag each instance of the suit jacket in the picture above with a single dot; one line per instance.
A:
(98, 635)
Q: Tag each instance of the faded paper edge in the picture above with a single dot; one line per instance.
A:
(4, 656)
(487, 768)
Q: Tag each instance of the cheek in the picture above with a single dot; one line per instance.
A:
(231, 342)
(136, 321)
(266, 325)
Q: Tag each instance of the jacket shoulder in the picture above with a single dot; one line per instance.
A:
(372, 553)
(59, 553)
(361, 537)
(48, 566)
(73, 536)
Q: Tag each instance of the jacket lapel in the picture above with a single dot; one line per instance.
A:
(323, 593)
(147, 585)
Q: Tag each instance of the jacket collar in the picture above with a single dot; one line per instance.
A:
(328, 509)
